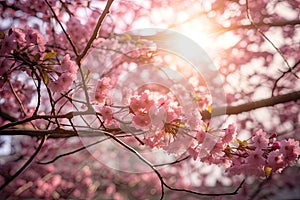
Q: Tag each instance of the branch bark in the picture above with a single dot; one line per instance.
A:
(259, 24)
(96, 31)
(230, 110)
(246, 107)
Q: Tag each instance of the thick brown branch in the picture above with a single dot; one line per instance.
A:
(231, 110)
(56, 133)
(259, 24)
(7, 116)
(69, 115)
(62, 133)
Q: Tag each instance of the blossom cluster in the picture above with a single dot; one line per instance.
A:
(165, 124)
(159, 116)
(102, 90)
(17, 39)
(66, 75)
(19, 48)
(261, 155)
(23, 49)
(258, 156)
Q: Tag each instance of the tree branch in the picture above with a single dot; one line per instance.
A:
(7, 116)
(88, 46)
(63, 133)
(259, 187)
(172, 163)
(260, 24)
(230, 110)
(68, 115)
(56, 133)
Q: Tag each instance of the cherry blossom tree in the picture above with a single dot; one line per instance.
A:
(149, 100)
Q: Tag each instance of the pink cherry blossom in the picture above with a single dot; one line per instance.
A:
(229, 134)
(102, 89)
(141, 103)
(107, 115)
(290, 150)
(141, 120)
(67, 65)
(7, 45)
(256, 158)
(63, 83)
(36, 38)
(260, 140)
(276, 161)
(200, 136)
(218, 148)
(193, 152)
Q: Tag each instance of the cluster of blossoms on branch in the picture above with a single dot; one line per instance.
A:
(67, 73)
(166, 125)
(20, 48)
(25, 50)
(260, 155)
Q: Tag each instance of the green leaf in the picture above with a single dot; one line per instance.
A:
(84, 71)
(36, 57)
(45, 77)
(49, 55)
(2, 34)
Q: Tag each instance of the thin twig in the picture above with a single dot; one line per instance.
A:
(63, 29)
(17, 97)
(172, 163)
(283, 74)
(163, 184)
(249, 16)
(71, 152)
(87, 48)
(38, 88)
(96, 31)
(259, 187)
(25, 165)
(273, 45)
(207, 194)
